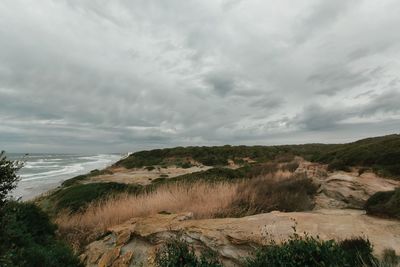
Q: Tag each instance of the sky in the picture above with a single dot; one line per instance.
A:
(116, 76)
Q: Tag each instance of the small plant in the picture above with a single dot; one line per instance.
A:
(291, 166)
(150, 168)
(186, 165)
(178, 253)
(385, 204)
(389, 258)
(308, 251)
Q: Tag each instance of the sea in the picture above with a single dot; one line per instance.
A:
(42, 172)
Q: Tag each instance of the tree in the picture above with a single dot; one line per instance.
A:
(8, 176)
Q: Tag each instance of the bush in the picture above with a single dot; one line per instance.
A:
(385, 204)
(389, 258)
(28, 239)
(150, 168)
(265, 195)
(338, 165)
(358, 249)
(8, 176)
(291, 166)
(186, 165)
(79, 178)
(306, 251)
(77, 197)
(177, 253)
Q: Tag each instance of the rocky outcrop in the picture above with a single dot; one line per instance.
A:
(135, 242)
(344, 190)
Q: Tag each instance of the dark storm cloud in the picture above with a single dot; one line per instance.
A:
(126, 75)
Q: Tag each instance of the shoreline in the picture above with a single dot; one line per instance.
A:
(29, 189)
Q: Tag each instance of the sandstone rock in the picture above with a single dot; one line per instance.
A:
(234, 238)
(109, 257)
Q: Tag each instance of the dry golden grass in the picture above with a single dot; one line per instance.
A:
(204, 200)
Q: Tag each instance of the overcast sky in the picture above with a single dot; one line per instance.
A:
(116, 76)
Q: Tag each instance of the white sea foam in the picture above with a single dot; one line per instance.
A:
(42, 172)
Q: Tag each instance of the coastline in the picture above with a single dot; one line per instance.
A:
(42, 182)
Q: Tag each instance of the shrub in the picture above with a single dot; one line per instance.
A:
(178, 253)
(389, 258)
(268, 194)
(79, 178)
(186, 165)
(291, 166)
(386, 204)
(8, 176)
(77, 197)
(305, 251)
(339, 165)
(150, 168)
(28, 239)
(358, 249)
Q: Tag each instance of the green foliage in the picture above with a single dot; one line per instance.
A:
(76, 197)
(358, 250)
(389, 258)
(79, 178)
(28, 239)
(8, 176)
(178, 253)
(260, 196)
(382, 154)
(385, 204)
(150, 168)
(291, 166)
(210, 156)
(310, 251)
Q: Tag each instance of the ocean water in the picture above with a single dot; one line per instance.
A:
(42, 172)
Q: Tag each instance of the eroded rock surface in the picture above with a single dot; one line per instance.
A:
(344, 190)
(135, 242)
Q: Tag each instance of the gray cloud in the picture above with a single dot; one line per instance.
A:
(78, 76)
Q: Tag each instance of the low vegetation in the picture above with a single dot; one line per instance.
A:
(381, 154)
(204, 200)
(296, 251)
(384, 204)
(311, 251)
(79, 178)
(28, 239)
(26, 233)
(76, 197)
(262, 195)
(178, 253)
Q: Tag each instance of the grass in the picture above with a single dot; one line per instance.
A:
(384, 204)
(203, 199)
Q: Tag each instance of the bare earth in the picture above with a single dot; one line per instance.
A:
(141, 175)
